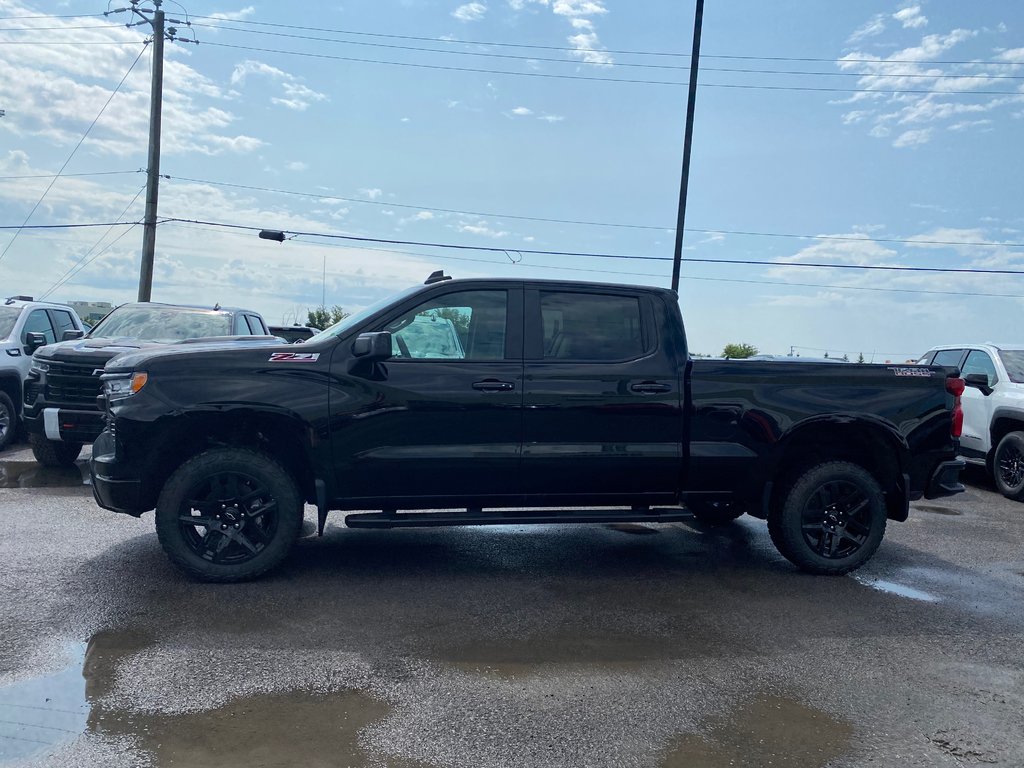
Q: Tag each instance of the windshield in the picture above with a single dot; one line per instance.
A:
(162, 324)
(8, 317)
(352, 321)
(1013, 361)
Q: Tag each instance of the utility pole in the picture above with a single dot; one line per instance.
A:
(156, 22)
(677, 260)
(156, 98)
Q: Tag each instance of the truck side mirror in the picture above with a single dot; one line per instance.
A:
(372, 347)
(978, 381)
(71, 335)
(34, 341)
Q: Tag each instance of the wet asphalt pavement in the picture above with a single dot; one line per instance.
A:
(639, 645)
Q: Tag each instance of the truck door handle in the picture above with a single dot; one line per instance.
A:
(650, 387)
(493, 385)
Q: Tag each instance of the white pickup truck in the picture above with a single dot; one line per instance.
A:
(19, 317)
(993, 404)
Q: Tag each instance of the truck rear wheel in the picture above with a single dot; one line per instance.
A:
(831, 520)
(229, 514)
(1008, 466)
(53, 453)
(8, 421)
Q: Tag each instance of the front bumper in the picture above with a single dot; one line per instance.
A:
(112, 486)
(945, 480)
(68, 425)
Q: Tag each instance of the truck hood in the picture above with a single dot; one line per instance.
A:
(99, 351)
(131, 360)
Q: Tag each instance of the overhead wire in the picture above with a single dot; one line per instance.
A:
(67, 175)
(73, 151)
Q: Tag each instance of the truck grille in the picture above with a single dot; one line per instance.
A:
(72, 384)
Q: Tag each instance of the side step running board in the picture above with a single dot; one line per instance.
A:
(518, 517)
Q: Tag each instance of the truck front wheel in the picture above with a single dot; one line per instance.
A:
(53, 453)
(228, 514)
(1008, 466)
(831, 520)
(8, 421)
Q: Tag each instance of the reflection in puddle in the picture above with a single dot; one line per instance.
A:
(29, 474)
(896, 589)
(38, 714)
(770, 730)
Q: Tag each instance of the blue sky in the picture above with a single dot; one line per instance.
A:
(408, 140)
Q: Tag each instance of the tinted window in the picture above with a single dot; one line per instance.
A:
(948, 357)
(154, 323)
(241, 327)
(8, 318)
(1013, 361)
(979, 362)
(468, 325)
(585, 326)
(64, 321)
(38, 322)
(256, 326)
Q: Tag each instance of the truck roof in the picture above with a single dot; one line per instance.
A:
(13, 302)
(207, 308)
(569, 284)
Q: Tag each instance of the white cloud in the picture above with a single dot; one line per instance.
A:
(522, 111)
(481, 228)
(423, 216)
(874, 26)
(914, 138)
(551, 118)
(244, 13)
(297, 96)
(470, 12)
(963, 125)
(911, 17)
(581, 13)
(297, 165)
(371, 192)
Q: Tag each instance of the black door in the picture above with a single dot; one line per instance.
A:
(444, 420)
(602, 419)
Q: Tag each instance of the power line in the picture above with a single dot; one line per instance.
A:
(48, 16)
(446, 257)
(68, 175)
(551, 75)
(73, 151)
(673, 54)
(107, 247)
(67, 274)
(577, 62)
(587, 254)
(69, 226)
(492, 214)
(55, 29)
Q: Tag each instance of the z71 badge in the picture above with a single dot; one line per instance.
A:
(294, 357)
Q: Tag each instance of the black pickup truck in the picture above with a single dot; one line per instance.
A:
(576, 401)
(61, 391)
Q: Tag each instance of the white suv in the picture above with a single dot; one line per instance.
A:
(993, 403)
(20, 318)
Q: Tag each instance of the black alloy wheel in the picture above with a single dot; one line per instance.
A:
(1008, 466)
(831, 519)
(228, 514)
(8, 421)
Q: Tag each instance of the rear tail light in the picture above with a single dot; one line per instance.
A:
(955, 386)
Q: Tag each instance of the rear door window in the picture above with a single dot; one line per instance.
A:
(590, 326)
(979, 361)
(64, 322)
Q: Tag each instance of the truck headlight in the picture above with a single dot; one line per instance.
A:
(39, 366)
(124, 386)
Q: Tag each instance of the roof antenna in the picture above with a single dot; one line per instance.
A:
(436, 277)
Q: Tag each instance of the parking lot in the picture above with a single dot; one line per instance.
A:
(654, 645)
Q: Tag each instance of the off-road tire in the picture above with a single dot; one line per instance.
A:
(8, 421)
(53, 453)
(798, 508)
(1007, 466)
(174, 501)
(714, 512)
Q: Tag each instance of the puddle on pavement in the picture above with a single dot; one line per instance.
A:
(635, 528)
(893, 588)
(41, 713)
(29, 474)
(936, 510)
(769, 730)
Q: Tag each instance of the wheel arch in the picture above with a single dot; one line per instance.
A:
(1004, 421)
(276, 433)
(11, 385)
(874, 445)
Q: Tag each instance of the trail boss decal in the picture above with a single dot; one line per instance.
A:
(915, 371)
(294, 357)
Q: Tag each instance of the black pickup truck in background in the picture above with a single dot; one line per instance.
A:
(61, 408)
(576, 401)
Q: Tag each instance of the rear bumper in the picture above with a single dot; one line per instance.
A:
(112, 487)
(69, 425)
(945, 480)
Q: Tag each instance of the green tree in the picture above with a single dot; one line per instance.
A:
(322, 317)
(739, 351)
(458, 318)
(860, 358)
(846, 358)
(826, 354)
